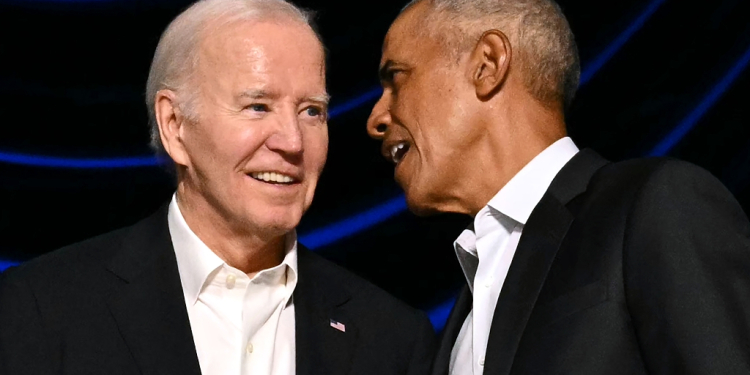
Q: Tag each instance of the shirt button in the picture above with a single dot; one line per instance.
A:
(481, 362)
(230, 281)
(249, 348)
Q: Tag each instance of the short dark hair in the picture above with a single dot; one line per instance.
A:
(538, 29)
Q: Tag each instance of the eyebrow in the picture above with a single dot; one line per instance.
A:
(257, 94)
(321, 99)
(263, 94)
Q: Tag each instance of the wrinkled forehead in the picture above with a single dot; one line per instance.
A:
(249, 40)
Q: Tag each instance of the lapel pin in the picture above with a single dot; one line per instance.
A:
(340, 326)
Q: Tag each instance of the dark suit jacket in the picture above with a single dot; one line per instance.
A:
(638, 267)
(114, 305)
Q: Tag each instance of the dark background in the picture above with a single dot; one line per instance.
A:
(73, 73)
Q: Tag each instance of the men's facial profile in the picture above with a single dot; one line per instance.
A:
(259, 140)
(428, 116)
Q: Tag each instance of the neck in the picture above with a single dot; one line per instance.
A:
(515, 136)
(250, 251)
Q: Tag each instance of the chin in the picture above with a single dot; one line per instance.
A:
(419, 205)
(275, 221)
(432, 198)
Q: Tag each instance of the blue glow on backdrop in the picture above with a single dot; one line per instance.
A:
(442, 311)
(332, 233)
(80, 163)
(439, 314)
(355, 102)
(4, 264)
(335, 232)
(593, 66)
(149, 160)
(679, 132)
(352, 225)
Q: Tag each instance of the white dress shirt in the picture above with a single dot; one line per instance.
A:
(486, 251)
(240, 325)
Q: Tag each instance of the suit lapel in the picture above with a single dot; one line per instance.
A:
(542, 236)
(536, 250)
(450, 332)
(321, 348)
(149, 306)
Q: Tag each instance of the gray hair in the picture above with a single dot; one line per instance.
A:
(545, 44)
(177, 54)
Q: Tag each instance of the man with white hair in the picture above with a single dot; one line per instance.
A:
(215, 282)
(574, 265)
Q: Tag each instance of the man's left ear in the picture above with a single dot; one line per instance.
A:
(490, 62)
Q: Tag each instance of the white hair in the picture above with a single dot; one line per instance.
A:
(177, 54)
(545, 44)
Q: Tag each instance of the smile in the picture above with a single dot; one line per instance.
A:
(398, 151)
(273, 178)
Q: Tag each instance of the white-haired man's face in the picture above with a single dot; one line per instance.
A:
(259, 141)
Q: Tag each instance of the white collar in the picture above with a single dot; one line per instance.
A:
(517, 199)
(513, 204)
(524, 191)
(196, 262)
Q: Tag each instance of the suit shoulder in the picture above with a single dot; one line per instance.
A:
(673, 200)
(653, 170)
(68, 260)
(643, 177)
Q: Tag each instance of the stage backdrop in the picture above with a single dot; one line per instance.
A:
(660, 77)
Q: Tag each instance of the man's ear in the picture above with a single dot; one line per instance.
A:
(171, 122)
(490, 62)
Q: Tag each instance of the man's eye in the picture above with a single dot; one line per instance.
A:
(314, 111)
(258, 107)
(393, 74)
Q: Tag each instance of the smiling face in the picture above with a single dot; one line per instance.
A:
(253, 154)
(427, 116)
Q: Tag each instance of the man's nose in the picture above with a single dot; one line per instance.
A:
(287, 137)
(380, 119)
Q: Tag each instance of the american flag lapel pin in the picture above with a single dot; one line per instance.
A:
(340, 326)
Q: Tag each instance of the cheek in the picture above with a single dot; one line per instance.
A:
(230, 143)
(316, 148)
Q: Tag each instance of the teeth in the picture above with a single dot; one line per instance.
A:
(272, 177)
(396, 153)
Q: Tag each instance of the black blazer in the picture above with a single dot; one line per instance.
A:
(638, 267)
(114, 305)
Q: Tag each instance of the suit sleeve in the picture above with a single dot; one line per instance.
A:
(24, 343)
(424, 346)
(687, 274)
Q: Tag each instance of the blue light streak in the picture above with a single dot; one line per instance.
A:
(80, 163)
(352, 225)
(335, 232)
(355, 102)
(689, 122)
(150, 160)
(439, 314)
(603, 58)
(5, 264)
(382, 212)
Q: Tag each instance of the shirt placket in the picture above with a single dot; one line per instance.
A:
(262, 306)
(481, 314)
(490, 249)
